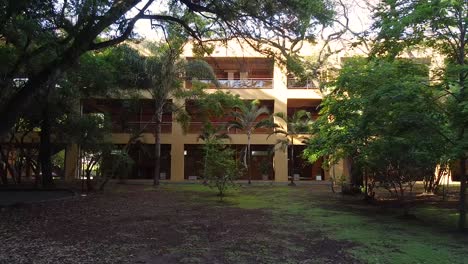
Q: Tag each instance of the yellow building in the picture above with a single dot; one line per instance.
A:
(242, 71)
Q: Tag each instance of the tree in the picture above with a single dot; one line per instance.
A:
(161, 76)
(247, 120)
(441, 25)
(292, 128)
(220, 165)
(98, 74)
(16, 144)
(210, 134)
(46, 38)
(91, 133)
(375, 114)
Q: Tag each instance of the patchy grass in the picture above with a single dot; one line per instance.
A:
(252, 224)
(381, 237)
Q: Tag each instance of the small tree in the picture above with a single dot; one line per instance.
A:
(265, 167)
(210, 134)
(246, 119)
(220, 166)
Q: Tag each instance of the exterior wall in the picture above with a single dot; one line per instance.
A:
(279, 93)
(71, 162)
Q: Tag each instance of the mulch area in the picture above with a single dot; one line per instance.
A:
(134, 225)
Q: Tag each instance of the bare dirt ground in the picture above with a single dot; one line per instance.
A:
(135, 224)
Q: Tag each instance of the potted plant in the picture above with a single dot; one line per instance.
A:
(296, 174)
(265, 168)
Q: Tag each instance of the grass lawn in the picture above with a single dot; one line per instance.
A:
(377, 235)
(253, 224)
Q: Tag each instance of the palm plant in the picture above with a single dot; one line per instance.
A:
(292, 128)
(246, 120)
(161, 75)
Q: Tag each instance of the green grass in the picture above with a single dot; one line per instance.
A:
(378, 238)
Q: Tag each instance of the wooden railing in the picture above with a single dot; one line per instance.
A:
(197, 127)
(132, 127)
(298, 84)
(251, 83)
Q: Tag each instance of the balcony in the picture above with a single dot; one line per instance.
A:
(302, 84)
(197, 127)
(141, 126)
(251, 83)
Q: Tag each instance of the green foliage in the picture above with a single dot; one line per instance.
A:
(220, 165)
(105, 72)
(212, 104)
(292, 128)
(58, 160)
(246, 120)
(44, 39)
(265, 167)
(92, 133)
(383, 115)
(402, 24)
(122, 164)
(443, 26)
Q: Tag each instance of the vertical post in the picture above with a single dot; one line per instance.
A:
(71, 162)
(280, 161)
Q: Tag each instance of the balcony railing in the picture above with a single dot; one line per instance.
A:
(197, 127)
(144, 127)
(299, 84)
(251, 83)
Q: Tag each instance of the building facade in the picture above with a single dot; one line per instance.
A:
(241, 71)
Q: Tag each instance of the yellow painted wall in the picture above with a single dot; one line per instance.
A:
(279, 93)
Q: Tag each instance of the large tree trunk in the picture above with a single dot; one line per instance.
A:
(45, 150)
(462, 209)
(157, 148)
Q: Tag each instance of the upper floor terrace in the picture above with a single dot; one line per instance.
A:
(129, 116)
(240, 73)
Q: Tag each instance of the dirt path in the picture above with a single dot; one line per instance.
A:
(134, 225)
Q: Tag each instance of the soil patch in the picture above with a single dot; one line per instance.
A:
(18, 197)
(135, 225)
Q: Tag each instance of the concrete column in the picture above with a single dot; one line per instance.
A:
(177, 161)
(243, 75)
(71, 162)
(230, 74)
(339, 169)
(280, 161)
(280, 164)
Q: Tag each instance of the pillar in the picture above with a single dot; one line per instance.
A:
(280, 161)
(71, 162)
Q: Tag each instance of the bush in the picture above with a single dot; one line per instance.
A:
(221, 167)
